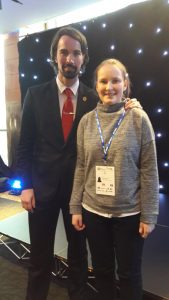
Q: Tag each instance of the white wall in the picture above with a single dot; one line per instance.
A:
(3, 127)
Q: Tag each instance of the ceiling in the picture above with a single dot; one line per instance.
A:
(14, 15)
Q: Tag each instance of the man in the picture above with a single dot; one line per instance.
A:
(46, 162)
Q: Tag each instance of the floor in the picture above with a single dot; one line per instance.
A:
(156, 254)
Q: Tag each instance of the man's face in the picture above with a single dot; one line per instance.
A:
(69, 58)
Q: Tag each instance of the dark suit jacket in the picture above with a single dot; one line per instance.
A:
(5, 171)
(44, 161)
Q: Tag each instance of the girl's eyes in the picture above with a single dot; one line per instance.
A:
(113, 81)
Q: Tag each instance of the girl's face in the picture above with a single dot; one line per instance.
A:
(110, 84)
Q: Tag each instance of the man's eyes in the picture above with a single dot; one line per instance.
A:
(66, 53)
(76, 53)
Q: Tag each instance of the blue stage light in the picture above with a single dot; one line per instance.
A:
(15, 187)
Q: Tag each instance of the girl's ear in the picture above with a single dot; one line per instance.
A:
(125, 85)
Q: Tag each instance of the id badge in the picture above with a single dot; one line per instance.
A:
(105, 180)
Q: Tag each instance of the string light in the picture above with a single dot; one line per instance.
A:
(140, 51)
(158, 134)
(104, 25)
(148, 83)
(165, 52)
(159, 110)
(112, 47)
(131, 25)
(158, 30)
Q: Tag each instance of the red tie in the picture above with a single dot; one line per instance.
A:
(67, 113)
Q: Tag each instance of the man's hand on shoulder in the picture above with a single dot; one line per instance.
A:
(132, 103)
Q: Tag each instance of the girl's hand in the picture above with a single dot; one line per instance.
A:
(145, 229)
(77, 222)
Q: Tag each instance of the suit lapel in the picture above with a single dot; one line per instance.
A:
(56, 123)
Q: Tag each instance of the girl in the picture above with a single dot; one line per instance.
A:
(115, 193)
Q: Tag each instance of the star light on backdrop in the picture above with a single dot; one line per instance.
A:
(165, 52)
(140, 51)
(142, 46)
(131, 25)
(104, 25)
(158, 30)
(112, 47)
(159, 110)
(159, 135)
(148, 83)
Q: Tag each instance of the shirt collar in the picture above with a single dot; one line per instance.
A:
(62, 87)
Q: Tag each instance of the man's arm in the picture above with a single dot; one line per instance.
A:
(25, 154)
(26, 143)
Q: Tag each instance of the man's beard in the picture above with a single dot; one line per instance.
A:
(71, 73)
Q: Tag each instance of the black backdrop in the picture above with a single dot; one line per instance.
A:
(137, 35)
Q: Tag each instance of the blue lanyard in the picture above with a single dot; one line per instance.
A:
(115, 127)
